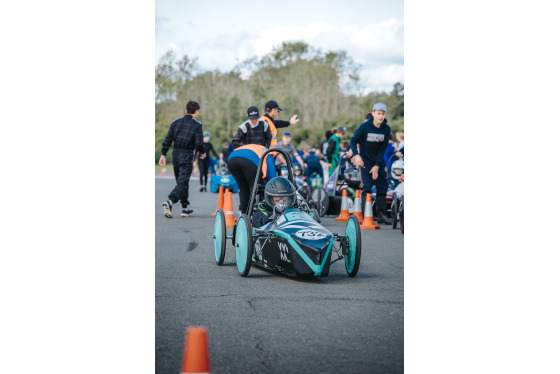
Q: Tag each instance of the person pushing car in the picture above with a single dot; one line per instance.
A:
(243, 163)
(373, 137)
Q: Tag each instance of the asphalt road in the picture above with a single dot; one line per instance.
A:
(270, 323)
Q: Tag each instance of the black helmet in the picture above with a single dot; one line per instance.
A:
(280, 193)
(297, 167)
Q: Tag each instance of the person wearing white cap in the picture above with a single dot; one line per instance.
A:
(373, 136)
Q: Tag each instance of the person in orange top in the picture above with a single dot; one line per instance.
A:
(272, 111)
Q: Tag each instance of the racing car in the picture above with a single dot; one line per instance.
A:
(293, 243)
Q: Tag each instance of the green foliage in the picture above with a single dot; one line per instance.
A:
(303, 80)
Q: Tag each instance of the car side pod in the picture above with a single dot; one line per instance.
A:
(344, 214)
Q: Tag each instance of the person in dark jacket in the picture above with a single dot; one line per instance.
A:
(312, 163)
(252, 131)
(186, 135)
(325, 143)
(225, 153)
(204, 162)
(373, 137)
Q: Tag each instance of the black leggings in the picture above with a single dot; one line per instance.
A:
(203, 167)
(244, 172)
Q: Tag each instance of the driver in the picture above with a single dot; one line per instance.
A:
(279, 195)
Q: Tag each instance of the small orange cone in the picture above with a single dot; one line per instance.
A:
(220, 201)
(358, 206)
(162, 171)
(368, 218)
(228, 207)
(195, 357)
(344, 214)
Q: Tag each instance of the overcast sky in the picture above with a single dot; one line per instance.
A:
(223, 33)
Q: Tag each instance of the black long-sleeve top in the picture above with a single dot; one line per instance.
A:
(278, 123)
(247, 133)
(185, 133)
(373, 142)
(207, 147)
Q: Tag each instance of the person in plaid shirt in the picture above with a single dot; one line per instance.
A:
(186, 134)
(252, 131)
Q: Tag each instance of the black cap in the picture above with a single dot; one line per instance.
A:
(253, 112)
(342, 129)
(271, 104)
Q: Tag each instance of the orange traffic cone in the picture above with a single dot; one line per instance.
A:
(195, 357)
(368, 218)
(344, 214)
(220, 201)
(228, 207)
(358, 206)
(162, 171)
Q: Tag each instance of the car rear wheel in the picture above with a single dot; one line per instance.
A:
(394, 210)
(354, 251)
(243, 245)
(220, 237)
(401, 215)
(320, 199)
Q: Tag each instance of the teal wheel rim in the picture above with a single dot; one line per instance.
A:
(218, 237)
(350, 233)
(241, 245)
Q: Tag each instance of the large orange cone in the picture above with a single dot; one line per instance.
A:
(344, 214)
(368, 218)
(196, 358)
(228, 207)
(220, 201)
(358, 206)
(162, 171)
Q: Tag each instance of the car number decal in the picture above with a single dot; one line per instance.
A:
(310, 234)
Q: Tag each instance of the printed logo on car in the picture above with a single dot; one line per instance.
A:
(258, 249)
(283, 251)
(310, 234)
(297, 215)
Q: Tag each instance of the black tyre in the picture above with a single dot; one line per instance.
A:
(395, 211)
(320, 198)
(401, 215)
(243, 245)
(354, 252)
(220, 237)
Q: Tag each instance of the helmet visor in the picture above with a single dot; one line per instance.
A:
(281, 202)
